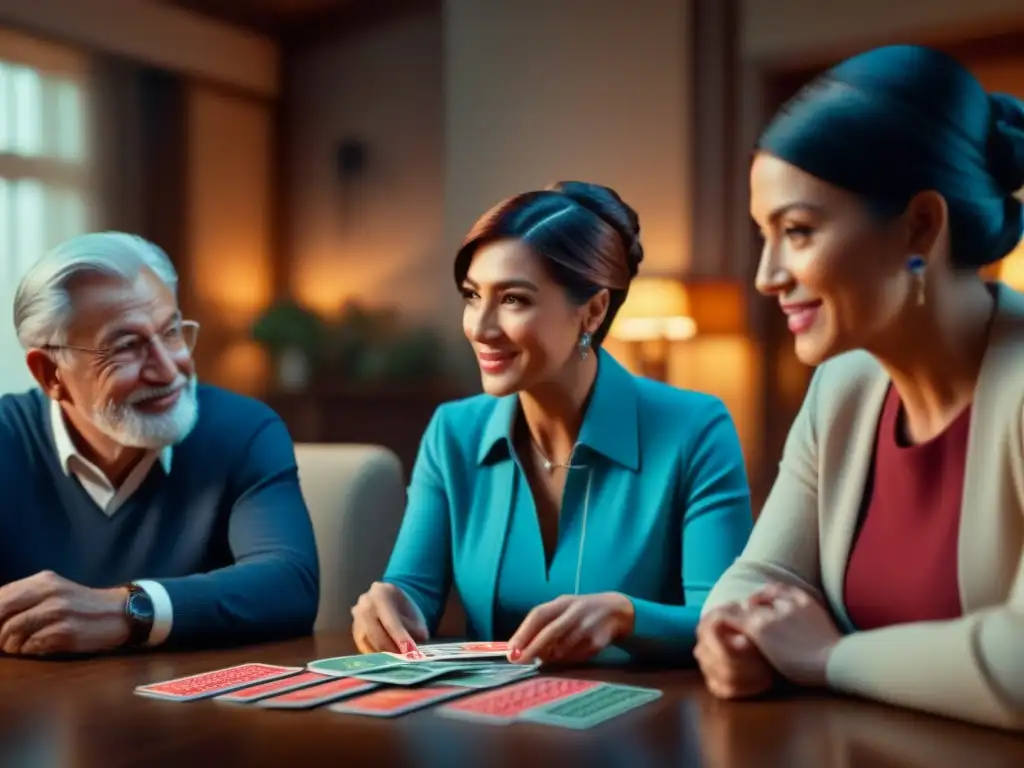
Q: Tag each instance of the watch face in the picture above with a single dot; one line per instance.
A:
(140, 607)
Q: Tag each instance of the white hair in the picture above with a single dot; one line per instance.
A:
(42, 304)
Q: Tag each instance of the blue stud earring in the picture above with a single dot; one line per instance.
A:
(915, 266)
(585, 344)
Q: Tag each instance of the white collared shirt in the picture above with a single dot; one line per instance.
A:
(109, 499)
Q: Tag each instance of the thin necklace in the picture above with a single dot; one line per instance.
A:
(550, 465)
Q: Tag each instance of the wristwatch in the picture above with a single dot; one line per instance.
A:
(138, 609)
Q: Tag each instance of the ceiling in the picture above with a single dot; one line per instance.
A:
(277, 18)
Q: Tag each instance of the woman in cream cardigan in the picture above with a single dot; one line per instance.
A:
(887, 560)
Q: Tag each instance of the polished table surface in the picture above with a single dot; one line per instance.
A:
(83, 714)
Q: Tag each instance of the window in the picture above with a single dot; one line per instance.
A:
(45, 161)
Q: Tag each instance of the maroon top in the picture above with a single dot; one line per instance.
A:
(903, 564)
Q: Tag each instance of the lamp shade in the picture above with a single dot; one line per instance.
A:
(1011, 268)
(657, 307)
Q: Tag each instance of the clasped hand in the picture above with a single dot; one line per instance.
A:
(780, 629)
(47, 614)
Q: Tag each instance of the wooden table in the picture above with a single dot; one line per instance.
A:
(83, 714)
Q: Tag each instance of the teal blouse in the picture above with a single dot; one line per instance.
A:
(658, 509)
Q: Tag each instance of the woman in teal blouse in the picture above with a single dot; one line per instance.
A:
(574, 506)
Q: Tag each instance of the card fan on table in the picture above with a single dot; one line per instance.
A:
(449, 653)
(469, 665)
(379, 685)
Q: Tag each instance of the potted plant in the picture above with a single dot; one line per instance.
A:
(411, 356)
(294, 336)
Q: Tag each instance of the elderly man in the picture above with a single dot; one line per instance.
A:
(139, 508)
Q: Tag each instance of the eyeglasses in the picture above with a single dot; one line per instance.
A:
(177, 340)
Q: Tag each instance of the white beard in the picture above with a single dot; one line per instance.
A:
(131, 428)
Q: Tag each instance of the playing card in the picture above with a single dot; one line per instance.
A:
(391, 702)
(489, 677)
(281, 685)
(505, 705)
(315, 695)
(345, 666)
(592, 707)
(219, 681)
(445, 651)
(412, 674)
(500, 647)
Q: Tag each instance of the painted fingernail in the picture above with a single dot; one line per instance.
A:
(515, 654)
(408, 647)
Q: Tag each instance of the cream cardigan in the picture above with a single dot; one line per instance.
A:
(971, 668)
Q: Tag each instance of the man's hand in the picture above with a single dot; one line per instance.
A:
(572, 629)
(46, 614)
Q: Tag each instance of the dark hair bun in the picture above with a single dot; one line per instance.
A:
(897, 120)
(605, 203)
(1006, 141)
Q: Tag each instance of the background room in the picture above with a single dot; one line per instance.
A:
(311, 166)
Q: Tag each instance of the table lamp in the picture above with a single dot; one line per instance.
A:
(1009, 269)
(656, 315)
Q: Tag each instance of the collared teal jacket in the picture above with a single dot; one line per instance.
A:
(657, 508)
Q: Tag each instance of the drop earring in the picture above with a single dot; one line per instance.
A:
(584, 344)
(915, 266)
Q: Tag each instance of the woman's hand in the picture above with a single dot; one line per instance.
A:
(385, 619)
(572, 629)
(793, 631)
(732, 665)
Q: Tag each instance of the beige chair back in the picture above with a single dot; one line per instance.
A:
(356, 498)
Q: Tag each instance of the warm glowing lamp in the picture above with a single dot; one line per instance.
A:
(656, 314)
(1011, 269)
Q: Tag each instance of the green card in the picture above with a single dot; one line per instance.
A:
(592, 707)
(492, 677)
(348, 666)
(407, 674)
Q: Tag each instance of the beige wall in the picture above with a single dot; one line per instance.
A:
(586, 89)
(376, 237)
(523, 95)
(579, 89)
(450, 135)
(229, 269)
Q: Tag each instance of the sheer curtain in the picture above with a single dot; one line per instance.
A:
(46, 165)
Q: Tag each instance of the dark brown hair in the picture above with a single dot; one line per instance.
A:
(587, 237)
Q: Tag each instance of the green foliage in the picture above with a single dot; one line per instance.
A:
(364, 345)
(409, 356)
(289, 325)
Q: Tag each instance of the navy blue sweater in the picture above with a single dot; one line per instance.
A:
(226, 532)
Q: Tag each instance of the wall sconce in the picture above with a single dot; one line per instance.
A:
(656, 315)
